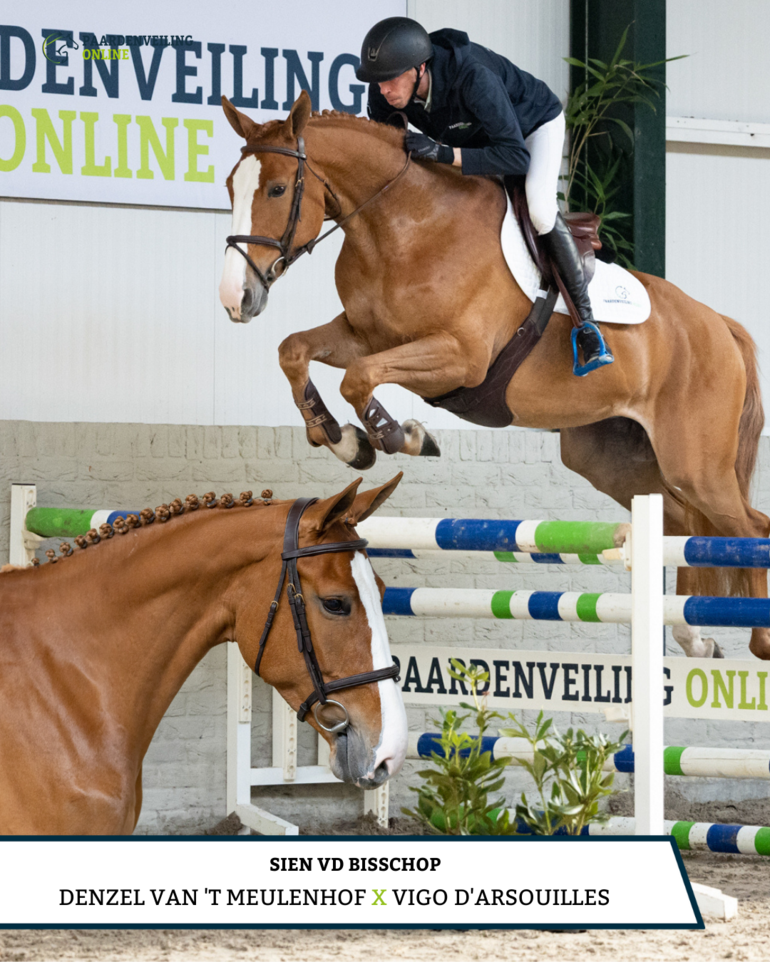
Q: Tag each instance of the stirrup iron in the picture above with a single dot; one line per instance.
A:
(580, 370)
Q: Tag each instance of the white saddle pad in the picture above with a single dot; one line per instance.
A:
(617, 297)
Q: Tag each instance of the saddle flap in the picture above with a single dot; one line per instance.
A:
(583, 225)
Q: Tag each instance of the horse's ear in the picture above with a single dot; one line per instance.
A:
(328, 511)
(243, 126)
(300, 113)
(367, 502)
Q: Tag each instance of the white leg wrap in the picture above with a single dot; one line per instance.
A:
(689, 637)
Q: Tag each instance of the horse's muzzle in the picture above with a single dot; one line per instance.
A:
(352, 760)
(253, 302)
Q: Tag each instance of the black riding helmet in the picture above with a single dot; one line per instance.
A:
(391, 48)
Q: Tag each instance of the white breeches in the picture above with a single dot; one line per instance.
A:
(545, 146)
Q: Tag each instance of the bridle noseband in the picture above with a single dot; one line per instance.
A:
(284, 244)
(292, 551)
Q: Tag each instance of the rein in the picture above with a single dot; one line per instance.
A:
(321, 689)
(284, 244)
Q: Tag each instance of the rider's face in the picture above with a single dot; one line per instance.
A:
(398, 91)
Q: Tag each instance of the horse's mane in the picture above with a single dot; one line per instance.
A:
(149, 517)
(385, 132)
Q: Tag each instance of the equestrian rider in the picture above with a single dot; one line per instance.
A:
(480, 112)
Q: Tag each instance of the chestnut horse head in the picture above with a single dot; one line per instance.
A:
(332, 664)
(95, 646)
(267, 188)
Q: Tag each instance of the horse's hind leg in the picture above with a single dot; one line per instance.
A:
(698, 456)
(334, 344)
(616, 457)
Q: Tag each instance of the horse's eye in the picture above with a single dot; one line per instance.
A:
(336, 606)
(277, 191)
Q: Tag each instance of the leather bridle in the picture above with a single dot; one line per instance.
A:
(322, 689)
(284, 244)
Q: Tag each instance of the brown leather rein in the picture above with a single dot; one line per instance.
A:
(284, 244)
(322, 689)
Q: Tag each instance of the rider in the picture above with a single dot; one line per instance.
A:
(480, 112)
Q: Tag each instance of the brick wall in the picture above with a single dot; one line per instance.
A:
(480, 474)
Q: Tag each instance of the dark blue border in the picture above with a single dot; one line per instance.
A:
(240, 839)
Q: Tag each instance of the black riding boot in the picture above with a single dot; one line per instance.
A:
(563, 251)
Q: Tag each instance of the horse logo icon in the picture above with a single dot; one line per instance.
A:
(622, 292)
(55, 53)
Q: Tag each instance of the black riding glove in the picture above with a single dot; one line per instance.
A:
(423, 148)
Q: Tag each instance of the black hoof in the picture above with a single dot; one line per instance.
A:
(718, 653)
(430, 448)
(366, 456)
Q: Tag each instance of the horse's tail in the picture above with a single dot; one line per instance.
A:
(734, 581)
(753, 415)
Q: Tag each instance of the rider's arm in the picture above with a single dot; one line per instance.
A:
(485, 96)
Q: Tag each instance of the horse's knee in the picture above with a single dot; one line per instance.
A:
(292, 355)
(357, 386)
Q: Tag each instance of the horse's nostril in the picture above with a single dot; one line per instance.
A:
(246, 302)
(381, 773)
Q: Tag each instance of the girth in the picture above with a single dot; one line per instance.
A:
(321, 689)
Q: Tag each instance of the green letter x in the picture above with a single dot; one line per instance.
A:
(379, 893)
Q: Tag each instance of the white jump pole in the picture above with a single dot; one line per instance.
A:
(647, 661)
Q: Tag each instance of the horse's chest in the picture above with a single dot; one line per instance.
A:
(379, 316)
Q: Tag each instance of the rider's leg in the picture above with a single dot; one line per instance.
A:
(545, 149)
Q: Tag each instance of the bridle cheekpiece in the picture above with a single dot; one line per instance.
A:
(321, 689)
(284, 245)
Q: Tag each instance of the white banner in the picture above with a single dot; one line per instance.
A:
(121, 104)
(704, 688)
(347, 882)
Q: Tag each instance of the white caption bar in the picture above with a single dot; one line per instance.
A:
(343, 882)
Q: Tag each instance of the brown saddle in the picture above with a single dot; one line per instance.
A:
(486, 405)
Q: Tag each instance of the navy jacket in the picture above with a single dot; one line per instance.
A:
(480, 102)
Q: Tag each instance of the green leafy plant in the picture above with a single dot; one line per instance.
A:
(454, 799)
(569, 776)
(597, 162)
(599, 183)
(568, 771)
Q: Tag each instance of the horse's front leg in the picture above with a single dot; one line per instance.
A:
(429, 366)
(335, 344)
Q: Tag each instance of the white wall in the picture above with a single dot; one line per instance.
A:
(534, 34)
(111, 313)
(718, 205)
(727, 73)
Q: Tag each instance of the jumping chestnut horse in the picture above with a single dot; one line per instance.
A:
(94, 647)
(429, 303)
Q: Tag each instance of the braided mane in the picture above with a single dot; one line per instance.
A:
(147, 517)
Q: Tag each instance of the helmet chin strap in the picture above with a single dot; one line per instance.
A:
(416, 83)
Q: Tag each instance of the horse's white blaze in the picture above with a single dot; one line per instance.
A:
(245, 185)
(393, 738)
